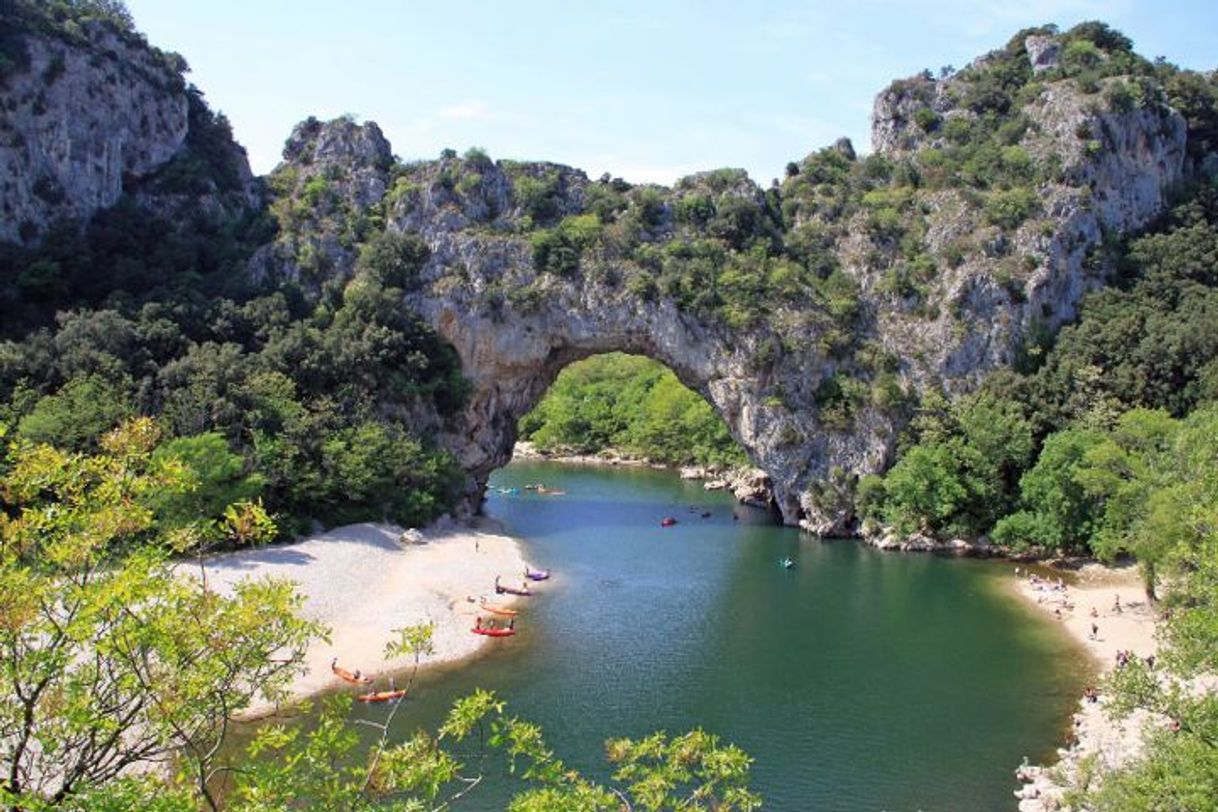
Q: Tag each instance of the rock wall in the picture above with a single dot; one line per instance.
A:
(89, 118)
(515, 326)
(80, 121)
(339, 170)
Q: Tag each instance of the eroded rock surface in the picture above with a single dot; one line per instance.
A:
(80, 121)
(779, 377)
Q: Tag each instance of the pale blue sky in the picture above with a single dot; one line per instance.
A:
(645, 90)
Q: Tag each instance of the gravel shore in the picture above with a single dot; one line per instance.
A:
(363, 581)
(1105, 609)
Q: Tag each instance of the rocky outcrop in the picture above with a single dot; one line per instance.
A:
(332, 176)
(82, 121)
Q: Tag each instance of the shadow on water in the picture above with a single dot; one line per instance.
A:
(858, 680)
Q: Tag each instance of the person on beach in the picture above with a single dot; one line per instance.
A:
(1095, 612)
(1116, 603)
(1095, 631)
(1057, 613)
(512, 623)
(478, 622)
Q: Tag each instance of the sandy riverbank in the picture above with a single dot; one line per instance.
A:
(362, 582)
(1090, 597)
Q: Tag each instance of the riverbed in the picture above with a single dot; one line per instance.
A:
(857, 680)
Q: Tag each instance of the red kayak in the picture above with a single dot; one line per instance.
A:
(382, 696)
(493, 632)
(668, 521)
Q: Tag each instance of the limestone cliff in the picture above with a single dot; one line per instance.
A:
(808, 315)
(91, 111)
(327, 197)
(811, 314)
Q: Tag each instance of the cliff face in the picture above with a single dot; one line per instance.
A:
(82, 119)
(811, 315)
(1113, 171)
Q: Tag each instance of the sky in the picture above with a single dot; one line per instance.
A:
(647, 90)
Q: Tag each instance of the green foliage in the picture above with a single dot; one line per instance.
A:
(78, 414)
(540, 197)
(315, 769)
(631, 404)
(1008, 209)
(558, 250)
(216, 479)
(961, 475)
(393, 259)
(1056, 512)
(102, 641)
(289, 390)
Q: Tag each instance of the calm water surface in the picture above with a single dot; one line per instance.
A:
(858, 680)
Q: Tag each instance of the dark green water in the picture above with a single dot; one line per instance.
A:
(858, 681)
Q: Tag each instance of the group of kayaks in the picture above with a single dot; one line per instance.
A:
(492, 628)
(488, 629)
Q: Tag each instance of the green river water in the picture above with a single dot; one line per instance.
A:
(858, 681)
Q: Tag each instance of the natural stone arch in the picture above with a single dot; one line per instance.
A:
(511, 355)
(778, 379)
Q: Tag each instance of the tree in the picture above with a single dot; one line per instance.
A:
(113, 655)
(217, 479)
(924, 489)
(1056, 511)
(693, 771)
(77, 415)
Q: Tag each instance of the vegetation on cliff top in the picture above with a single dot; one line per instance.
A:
(69, 20)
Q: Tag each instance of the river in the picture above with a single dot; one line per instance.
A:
(857, 680)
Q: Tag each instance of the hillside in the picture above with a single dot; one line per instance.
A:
(814, 315)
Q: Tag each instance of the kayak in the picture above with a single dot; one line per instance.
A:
(382, 696)
(787, 564)
(537, 575)
(668, 521)
(347, 676)
(498, 610)
(511, 590)
(493, 632)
